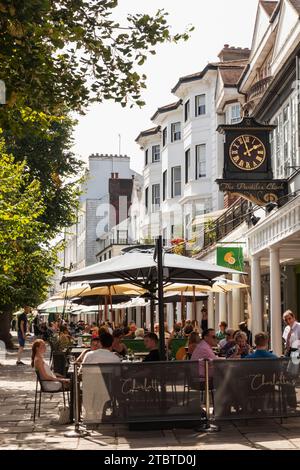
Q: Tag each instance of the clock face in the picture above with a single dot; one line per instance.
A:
(247, 152)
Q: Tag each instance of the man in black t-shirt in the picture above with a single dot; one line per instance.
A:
(151, 343)
(22, 330)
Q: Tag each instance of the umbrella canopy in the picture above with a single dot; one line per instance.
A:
(187, 297)
(52, 304)
(119, 289)
(141, 269)
(220, 286)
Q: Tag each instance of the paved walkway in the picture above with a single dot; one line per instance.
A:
(17, 430)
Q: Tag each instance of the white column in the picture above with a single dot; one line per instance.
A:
(236, 304)
(179, 315)
(275, 301)
(210, 310)
(148, 316)
(217, 310)
(229, 310)
(256, 296)
(189, 311)
(139, 317)
(170, 316)
(222, 307)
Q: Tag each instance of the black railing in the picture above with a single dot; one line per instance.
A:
(215, 230)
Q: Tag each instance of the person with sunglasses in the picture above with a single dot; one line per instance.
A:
(204, 350)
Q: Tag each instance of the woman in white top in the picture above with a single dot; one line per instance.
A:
(52, 382)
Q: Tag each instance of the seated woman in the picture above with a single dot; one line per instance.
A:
(241, 348)
(53, 383)
(117, 346)
(65, 338)
(139, 333)
(194, 340)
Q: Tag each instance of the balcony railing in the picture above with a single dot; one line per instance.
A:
(259, 88)
(216, 230)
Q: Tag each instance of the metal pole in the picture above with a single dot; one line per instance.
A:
(207, 391)
(152, 308)
(161, 316)
(207, 426)
(77, 431)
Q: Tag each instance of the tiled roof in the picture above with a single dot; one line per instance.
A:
(193, 76)
(147, 132)
(231, 75)
(269, 7)
(296, 5)
(166, 109)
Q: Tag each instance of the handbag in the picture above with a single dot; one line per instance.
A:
(64, 415)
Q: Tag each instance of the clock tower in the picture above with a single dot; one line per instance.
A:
(248, 162)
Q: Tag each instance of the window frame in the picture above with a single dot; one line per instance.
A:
(198, 107)
(187, 110)
(175, 135)
(165, 136)
(147, 199)
(176, 182)
(198, 164)
(153, 153)
(187, 162)
(165, 185)
(155, 204)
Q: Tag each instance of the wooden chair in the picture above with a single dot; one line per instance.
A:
(42, 389)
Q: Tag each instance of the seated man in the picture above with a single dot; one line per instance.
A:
(104, 354)
(151, 343)
(95, 344)
(261, 342)
(204, 350)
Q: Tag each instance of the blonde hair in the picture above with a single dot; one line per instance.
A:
(139, 332)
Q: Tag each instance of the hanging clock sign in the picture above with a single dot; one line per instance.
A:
(248, 160)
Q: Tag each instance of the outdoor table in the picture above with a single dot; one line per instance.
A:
(78, 350)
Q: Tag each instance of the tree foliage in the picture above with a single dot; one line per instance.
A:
(53, 164)
(71, 53)
(25, 259)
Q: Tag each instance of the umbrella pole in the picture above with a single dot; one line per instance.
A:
(105, 309)
(152, 311)
(161, 316)
(194, 304)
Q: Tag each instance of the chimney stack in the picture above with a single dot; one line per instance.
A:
(233, 53)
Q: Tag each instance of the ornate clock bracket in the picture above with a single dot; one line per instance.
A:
(248, 170)
(257, 192)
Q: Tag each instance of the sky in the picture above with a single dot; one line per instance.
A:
(216, 22)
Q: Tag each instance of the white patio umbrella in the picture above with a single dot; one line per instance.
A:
(220, 286)
(150, 271)
(141, 269)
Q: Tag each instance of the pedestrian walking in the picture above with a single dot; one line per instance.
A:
(22, 330)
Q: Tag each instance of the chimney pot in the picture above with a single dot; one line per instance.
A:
(116, 175)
